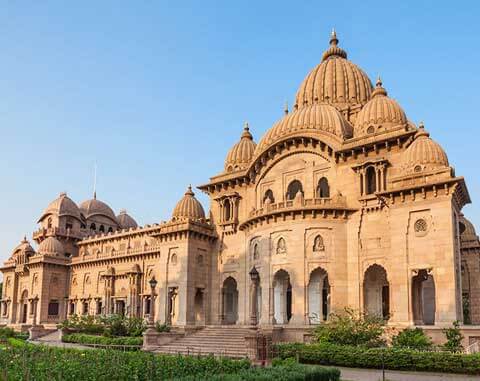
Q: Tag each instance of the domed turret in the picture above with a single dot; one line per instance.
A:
(125, 220)
(241, 153)
(308, 121)
(94, 207)
(424, 154)
(335, 80)
(51, 246)
(23, 250)
(380, 113)
(62, 206)
(468, 235)
(188, 208)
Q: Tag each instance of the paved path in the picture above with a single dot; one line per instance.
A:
(53, 340)
(352, 374)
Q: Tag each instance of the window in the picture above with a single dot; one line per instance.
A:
(256, 252)
(93, 227)
(293, 188)
(318, 243)
(200, 260)
(147, 306)
(53, 307)
(49, 223)
(72, 308)
(227, 210)
(281, 246)
(85, 308)
(323, 189)
(420, 226)
(110, 230)
(268, 196)
(83, 226)
(371, 180)
(417, 168)
(102, 229)
(69, 225)
(99, 307)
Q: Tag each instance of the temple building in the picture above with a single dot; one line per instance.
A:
(344, 202)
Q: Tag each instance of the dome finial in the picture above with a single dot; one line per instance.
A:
(246, 132)
(421, 126)
(246, 127)
(379, 90)
(421, 131)
(379, 81)
(333, 37)
(189, 191)
(285, 110)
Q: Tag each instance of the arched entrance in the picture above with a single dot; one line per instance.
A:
(282, 297)
(24, 307)
(230, 301)
(376, 292)
(318, 296)
(423, 298)
(199, 307)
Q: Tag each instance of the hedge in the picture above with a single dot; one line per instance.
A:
(393, 358)
(42, 363)
(280, 373)
(82, 338)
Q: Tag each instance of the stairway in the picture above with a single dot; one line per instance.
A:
(227, 341)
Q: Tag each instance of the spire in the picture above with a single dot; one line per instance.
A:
(246, 132)
(333, 37)
(95, 181)
(421, 131)
(285, 110)
(189, 191)
(379, 90)
(334, 50)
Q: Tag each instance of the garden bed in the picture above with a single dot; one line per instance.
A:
(85, 339)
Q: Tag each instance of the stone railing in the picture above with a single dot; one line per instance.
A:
(329, 203)
(57, 231)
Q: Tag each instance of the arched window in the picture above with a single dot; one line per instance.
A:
(256, 252)
(323, 189)
(318, 243)
(371, 178)
(281, 246)
(102, 228)
(49, 223)
(269, 196)
(227, 210)
(293, 188)
(93, 227)
(110, 230)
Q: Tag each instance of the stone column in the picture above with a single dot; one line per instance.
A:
(34, 304)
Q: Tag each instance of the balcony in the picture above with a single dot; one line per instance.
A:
(57, 231)
(335, 207)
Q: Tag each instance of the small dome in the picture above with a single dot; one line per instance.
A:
(188, 208)
(242, 152)
(468, 235)
(23, 248)
(96, 207)
(311, 120)
(62, 206)
(380, 112)
(335, 80)
(424, 154)
(125, 220)
(51, 246)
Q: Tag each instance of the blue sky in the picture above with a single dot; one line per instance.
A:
(156, 92)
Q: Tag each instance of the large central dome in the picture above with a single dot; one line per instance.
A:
(335, 80)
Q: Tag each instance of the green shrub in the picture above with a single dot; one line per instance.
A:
(454, 338)
(112, 325)
(36, 362)
(162, 327)
(81, 338)
(413, 338)
(351, 328)
(393, 358)
(6, 332)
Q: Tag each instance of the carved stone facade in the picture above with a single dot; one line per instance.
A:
(343, 202)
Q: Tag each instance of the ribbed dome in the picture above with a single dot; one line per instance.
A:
(125, 220)
(242, 152)
(335, 80)
(51, 246)
(23, 247)
(424, 154)
(312, 120)
(95, 207)
(468, 235)
(380, 112)
(62, 206)
(188, 208)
